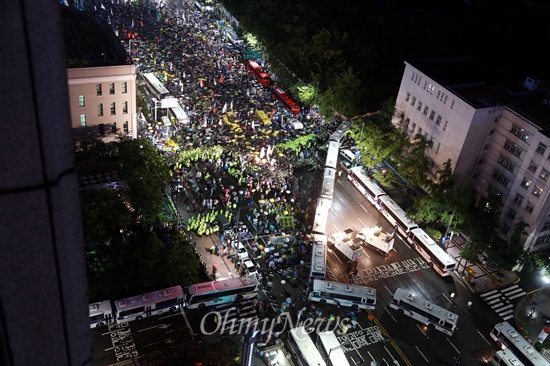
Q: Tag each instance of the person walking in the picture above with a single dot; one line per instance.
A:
(469, 304)
(452, 296)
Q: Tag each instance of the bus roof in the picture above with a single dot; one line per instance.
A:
(343, 288)
(231, 283)
(409, 297)
(99, 307)
(148, 298)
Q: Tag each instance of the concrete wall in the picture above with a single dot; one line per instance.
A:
(43, 289)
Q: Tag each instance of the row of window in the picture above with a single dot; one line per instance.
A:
(524, 136)
(112, 109)
(430, 88)
(426, 110)
(110, 129)
(99, 88)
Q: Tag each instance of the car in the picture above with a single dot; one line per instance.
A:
(242, 253)
(345, 165)
(250, 267)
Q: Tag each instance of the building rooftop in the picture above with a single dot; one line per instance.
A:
(89, 42)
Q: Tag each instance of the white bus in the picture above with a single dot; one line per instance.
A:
(331, 349)
(358, 175)
(332, 154)
(505, 358)
(424, 311)
(508, 338)
(343, 294)
(341, 131)
(155, 87)
(178, 114)
(101, 313)
(442, 262)
(327, 189)
(152, 303)
(304, 348)
(318, 257)
(231, 290)
(321, 216)
(396, 215)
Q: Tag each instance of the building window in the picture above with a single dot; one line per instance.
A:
(125, 127)
(406, 123)
(493, 191)
(100, 110)
(529, 207)
(512, 213)
(438, 146)
(101, 129)
(98, 90)
(82, 120)
(124, 87)
(541, 149)
(413, 101)
(425, 85)
(113, 109)
(513, 148)
(546, 226)
(533, 166)
(438, 120)
(452, 104)
(124, 107)
(113, 127)
(525, 183)
(431, 88)
(504, 228)
(420, 130)
(445, 126)
(519, 132)
(413, 75)
(518, 199)
(499, 177)
(492, 132)
(432, 115)
(413, 128)
(544, 174)
(425, 110)
(507, 164)
(438, 94)
(112, 88)
(81, 101)
(419, 107)
(445, 100)
(537, 191)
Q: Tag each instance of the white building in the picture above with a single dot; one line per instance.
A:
(495, 136)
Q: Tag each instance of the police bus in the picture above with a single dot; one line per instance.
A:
(424, 311)
(343, 294)
(396, 215)
(304, 348)
(508, 338)
(318, 267)
(442, 262)
(505, 358)
(152, 303)
(358, 175)
(101, 313)
(231, 290)
(331, 349)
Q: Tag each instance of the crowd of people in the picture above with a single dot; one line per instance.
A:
(228, 159)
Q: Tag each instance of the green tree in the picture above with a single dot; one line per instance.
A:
(342, 94)
(427, 209)
(104, 213)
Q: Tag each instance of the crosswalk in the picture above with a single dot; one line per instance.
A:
(500, 300)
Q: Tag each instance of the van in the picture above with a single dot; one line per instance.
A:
(224, 223)
(348, 155)
(242, 253)
(250, 268)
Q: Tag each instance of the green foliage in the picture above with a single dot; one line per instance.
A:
(427, 209)
(307, 94)
(434, 234)
(104, 213)
(342, 94)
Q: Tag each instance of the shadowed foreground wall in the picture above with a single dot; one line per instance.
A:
(43, 290)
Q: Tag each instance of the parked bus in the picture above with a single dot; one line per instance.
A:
(285, 99)
(342, 294)
(307, 354)
(152, 303)
(424, 311)
(341, 131)
(442, 262)
(101, 313)
(508, 338)
(256, 70)
(327, 188)
(318, 257)
(505, 358)
(331, 349)
(358, 175)
(332, 155)
(178, 115)
(321, 216)
(396, 215)
(155, 87)
(231, 290)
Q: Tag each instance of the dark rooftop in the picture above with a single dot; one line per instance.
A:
(89, 42)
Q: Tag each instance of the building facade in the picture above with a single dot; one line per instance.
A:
(103, 101)
(496, 137)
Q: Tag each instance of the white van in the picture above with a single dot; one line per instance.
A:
(348, 155)
(242, 253)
